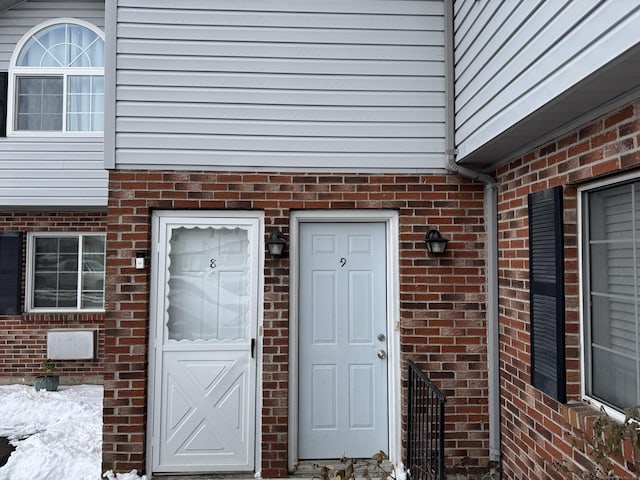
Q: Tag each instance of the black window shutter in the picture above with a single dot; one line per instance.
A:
(4, 78)
(546, 283)
(10, 272)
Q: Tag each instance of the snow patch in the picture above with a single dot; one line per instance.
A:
(56, 434)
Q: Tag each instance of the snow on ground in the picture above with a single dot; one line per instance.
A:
(56, 434)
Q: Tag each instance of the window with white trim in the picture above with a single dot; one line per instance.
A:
(57, 80)
(65, 272)
(611, 255)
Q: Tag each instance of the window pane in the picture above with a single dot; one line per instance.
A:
(85, 47)
(205, 302)
(611, 269)
(613, 325)
(46, 245)
(615, 379)
(610, 214)
(39, 103)
(46, 281)
(93, 260)
(51, 123)
(93, 244)
(68, 281)
(67, 298)
(97, 122)
(41, 51)
(85, 102)
(44, 299)
(68, 262)
(69, 244)
(92, 281)
(95, 52)
(46, 262)
(63, 45)
(93, 299)
(51, 38)
(31, 54)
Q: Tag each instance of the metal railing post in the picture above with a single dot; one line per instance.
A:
(425, 427)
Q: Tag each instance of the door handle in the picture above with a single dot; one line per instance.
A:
(253, 348)
(382, 354)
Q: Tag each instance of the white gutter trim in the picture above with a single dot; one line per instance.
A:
(491, 246)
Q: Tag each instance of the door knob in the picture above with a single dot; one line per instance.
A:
(382, 354)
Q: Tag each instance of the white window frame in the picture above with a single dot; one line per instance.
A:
(16, 71)
(583, 275)
(30, 273)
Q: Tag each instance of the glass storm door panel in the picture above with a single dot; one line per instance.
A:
(342, 375)
(204, 368)
(208, 284)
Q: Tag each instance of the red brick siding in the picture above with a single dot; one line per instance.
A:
(441, 298)
(23, 338)
(535, 430)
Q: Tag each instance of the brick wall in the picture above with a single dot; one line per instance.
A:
(23, 338)
(441, 298)
(536, 430)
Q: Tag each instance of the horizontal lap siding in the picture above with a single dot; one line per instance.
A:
(337, 84)
(56, 172)
(37, 171)
(511, 58)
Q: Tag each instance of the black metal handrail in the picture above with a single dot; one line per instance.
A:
(425, 427)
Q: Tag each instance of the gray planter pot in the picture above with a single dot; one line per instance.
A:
(49, 383)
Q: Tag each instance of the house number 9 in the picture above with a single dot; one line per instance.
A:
(212, 263)
(343, 262)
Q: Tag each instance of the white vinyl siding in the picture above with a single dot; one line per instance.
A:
(512, 58)
(38, 171)
(282, 83)
(611, 325)
(52, 172)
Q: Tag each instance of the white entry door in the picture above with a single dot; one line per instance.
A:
(203, 364)
(342, 397)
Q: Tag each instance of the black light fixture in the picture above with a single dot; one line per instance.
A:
(276, 243)
(434, 242)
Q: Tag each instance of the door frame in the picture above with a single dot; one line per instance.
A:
(154, 377)
(394, 398)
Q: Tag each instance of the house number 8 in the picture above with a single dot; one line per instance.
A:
(212, 263)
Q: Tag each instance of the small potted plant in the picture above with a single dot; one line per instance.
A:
(49, 381)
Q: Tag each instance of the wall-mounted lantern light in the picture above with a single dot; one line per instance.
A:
(276, 243)
(434, 242)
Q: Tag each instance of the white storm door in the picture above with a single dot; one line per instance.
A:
(342, 396)
(205, 370)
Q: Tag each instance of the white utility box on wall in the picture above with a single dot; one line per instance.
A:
(66, 344)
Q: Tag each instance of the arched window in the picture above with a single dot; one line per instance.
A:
(57, 78)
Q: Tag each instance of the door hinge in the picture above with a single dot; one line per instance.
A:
(253, 348)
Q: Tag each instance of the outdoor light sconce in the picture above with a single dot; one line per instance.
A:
(434, 242)
(276, 243)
